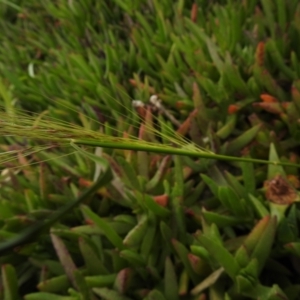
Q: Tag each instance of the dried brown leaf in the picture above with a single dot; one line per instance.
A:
(278, 190)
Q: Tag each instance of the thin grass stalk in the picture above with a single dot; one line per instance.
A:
(148, 147)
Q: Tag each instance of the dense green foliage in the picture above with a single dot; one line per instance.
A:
(165, 227)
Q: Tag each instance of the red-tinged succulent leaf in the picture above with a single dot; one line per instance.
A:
(185, 126)
(260, 54)
(259, 242)
(124, 280)
(162, 200)
(271, 107)
(232, 109)
(268, 98)
(194, 12)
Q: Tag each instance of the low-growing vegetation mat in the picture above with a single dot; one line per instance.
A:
(149, 149)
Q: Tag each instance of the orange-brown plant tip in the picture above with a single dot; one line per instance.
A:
(268, 98)
(180, 105)
(278, 190)
(189, 212)
(84, 183)
(194, 12)
(293, 157)
(162, 200)
(232, 109)
(285, 105)
(141, 112)
(142, 132)
(271, 107)
(184, 127)
(89, 222)
(260, 54)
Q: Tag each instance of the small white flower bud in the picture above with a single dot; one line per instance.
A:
(138, 103)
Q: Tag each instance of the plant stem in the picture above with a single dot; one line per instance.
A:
(176, 151)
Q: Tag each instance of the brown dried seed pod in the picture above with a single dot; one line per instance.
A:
(279, 191)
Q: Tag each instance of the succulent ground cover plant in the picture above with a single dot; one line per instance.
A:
(107, 195)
